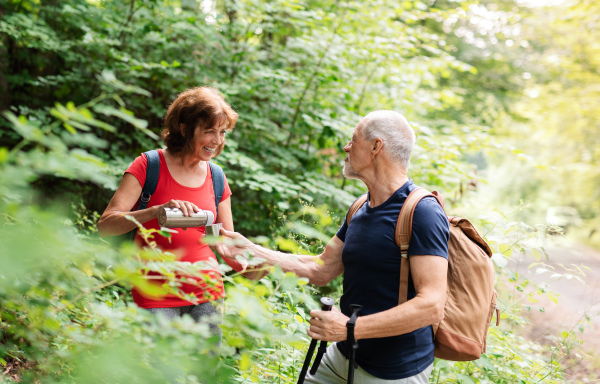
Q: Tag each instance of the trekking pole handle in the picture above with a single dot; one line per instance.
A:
(326, 303)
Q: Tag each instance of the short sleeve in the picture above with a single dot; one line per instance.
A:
(341, 233)
(138, 169)
(430, 230)
(226, 191)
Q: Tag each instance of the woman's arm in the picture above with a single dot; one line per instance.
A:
(113, 221)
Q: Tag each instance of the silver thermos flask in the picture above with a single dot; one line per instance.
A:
(173, 218)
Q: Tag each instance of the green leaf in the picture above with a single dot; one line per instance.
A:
(505, 249)
(108, 77)
(486, 364)
(3, 155)
(245, 361)
(464, 379)
(552, 297)
(70, 128)
(126, 115)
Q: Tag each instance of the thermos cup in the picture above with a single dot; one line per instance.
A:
(173, 218)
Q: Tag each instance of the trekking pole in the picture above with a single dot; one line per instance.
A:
(352, 343)
(326, 304)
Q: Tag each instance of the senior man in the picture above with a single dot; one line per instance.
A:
(395, 341)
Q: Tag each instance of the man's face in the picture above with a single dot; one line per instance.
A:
(357, 151)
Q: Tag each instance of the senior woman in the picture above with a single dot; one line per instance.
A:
(195, 126)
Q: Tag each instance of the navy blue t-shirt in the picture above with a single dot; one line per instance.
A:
(372, 278)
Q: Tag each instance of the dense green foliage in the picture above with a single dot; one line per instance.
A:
(299, 74)
(84, 86)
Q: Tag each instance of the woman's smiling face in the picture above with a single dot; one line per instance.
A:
(206, 141)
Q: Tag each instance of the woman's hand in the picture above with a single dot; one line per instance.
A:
(186, 207)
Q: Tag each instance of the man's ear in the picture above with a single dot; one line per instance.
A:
(377, 146)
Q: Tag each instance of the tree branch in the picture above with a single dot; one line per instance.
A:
(129, 17)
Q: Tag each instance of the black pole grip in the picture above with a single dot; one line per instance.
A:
(326, 303)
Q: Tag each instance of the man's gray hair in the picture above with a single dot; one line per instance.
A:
(395, 131)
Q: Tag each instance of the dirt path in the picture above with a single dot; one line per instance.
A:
(578, 305)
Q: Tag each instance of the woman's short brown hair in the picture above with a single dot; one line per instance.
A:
(199, 106)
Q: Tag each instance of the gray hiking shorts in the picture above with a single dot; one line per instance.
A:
(334, 370)
(200, 312)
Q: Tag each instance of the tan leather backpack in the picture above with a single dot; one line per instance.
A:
(471, 297)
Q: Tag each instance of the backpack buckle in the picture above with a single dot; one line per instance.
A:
(145, 199)
(404, 251)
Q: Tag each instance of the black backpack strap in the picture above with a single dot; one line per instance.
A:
(218, 180)
(152, 172)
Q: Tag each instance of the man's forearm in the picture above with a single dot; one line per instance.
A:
(319, 270)
(427, 307)
(410, 316)
(302, 265)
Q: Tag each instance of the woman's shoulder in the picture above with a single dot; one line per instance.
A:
(142, 158)
(139, 165)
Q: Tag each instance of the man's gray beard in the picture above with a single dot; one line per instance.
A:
(348, 172)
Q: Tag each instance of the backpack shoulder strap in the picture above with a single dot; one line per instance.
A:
(404, 223)
(355, 207)
(152, 173)
(218, 180)
(404, 233)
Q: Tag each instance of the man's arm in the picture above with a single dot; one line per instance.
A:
(429, 274)
(319, 270)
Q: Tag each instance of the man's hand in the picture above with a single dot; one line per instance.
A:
(233, 244)
(328, 325)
